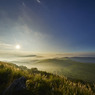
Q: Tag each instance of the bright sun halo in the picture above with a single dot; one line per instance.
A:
(17, 46)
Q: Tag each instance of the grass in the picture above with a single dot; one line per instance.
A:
(43, 83)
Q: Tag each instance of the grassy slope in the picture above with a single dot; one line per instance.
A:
(42, 83)
(68, 68)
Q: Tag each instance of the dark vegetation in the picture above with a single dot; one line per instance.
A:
(42, 83)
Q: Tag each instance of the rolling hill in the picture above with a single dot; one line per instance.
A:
(68, 67)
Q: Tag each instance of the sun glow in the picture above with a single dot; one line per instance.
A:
(18, 47)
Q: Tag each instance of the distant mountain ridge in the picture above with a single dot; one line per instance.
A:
(84, 59)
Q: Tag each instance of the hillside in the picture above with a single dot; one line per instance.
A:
(42, 83)
(68, 68)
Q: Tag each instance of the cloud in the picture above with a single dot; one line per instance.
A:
(23, 4)
(38, 1)
(28, 56)
(5, 46)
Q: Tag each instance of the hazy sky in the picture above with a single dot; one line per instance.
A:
(48, 25)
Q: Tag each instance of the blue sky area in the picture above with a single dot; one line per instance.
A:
(48, 25)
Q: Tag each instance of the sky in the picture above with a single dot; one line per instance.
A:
(47, 26)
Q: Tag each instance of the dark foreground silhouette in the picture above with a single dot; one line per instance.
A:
(17, 87)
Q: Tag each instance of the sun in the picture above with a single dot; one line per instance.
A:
(17, 46)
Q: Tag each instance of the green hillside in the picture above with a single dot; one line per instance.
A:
(42, 83)
(68, 68)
